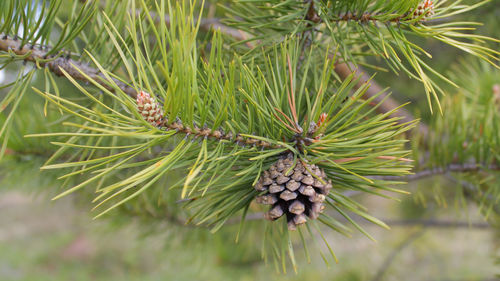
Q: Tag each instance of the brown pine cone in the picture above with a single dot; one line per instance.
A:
(296, 191)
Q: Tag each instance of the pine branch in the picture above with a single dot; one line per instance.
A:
(432, 223)
(383, 26)
(59, 62)
(205, 133)
(386, 103)
(470, 190)
(55, 63)
(458, 168)
(344, 70)
(39, 55)
(428, 223)
(366, 18)
(208, 24)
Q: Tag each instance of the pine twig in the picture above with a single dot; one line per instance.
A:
(459, 168)
(215, 134)
(57, 63)
(432, 223)
(472, 191)
(386, 103)
(210, 24)
(344, 70)
(428, 223)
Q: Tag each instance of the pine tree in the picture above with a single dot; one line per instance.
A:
(252, 110)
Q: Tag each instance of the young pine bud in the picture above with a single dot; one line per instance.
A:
(424, 10)
(149, 108)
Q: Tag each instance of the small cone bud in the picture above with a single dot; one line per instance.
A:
(149, 108)
(425, 10)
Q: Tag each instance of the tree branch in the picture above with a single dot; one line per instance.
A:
(57, 63)
(386, 103)
(459, 168)
(211, 24)
(472, 191)
(343, 69)
(429, 223)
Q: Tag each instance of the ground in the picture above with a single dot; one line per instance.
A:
(45, 240)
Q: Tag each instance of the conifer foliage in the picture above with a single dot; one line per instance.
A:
(239, 115)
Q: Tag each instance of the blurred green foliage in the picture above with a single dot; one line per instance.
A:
(141, 248)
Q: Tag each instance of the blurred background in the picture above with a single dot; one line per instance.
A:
(430, 237)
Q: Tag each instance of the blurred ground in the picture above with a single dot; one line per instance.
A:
(45, 240)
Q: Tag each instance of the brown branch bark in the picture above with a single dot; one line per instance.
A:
(458, 168)
(344, 69)
(56, 64)
(386, 104)
(474, 192)
(429, 223)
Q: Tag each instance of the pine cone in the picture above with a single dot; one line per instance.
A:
(425, 8)
(149, 108)
(293, 191)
